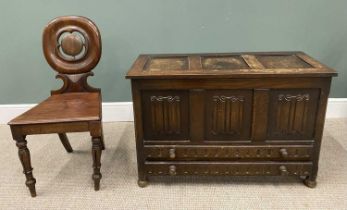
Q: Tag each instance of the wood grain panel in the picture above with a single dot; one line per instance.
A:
(167, 63)
(166, 115)
(223, 62)
(292, 114)
(228, 115)
(282, 61)
(197, 107)
(260, 114)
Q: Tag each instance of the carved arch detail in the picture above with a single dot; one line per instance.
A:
(75, 83)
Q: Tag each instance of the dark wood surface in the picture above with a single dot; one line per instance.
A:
(229, 114)
(69, 107)
(228, 65)
(72, 46)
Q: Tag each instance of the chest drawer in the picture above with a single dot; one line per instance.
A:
(272, 152)
(228, 168)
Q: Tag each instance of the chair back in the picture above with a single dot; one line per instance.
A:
(72, 47)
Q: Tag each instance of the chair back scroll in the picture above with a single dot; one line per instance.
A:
(72, 47)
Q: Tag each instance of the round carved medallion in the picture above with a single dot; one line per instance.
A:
(72, 44)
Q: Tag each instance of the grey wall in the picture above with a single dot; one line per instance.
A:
(130, 27)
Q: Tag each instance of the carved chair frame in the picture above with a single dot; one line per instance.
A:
(73, 59)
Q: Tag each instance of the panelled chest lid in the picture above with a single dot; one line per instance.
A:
(228, 65)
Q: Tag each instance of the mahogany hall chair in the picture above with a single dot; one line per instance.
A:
(72, 47)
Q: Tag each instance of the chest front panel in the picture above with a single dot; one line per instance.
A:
(165, 115)
(228, 115)
(292, 114)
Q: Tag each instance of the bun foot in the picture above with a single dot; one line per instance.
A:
(142, 183)
(310, 183)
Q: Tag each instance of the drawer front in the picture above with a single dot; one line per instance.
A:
(165, 115)
(227, 168)
(292, 114)
(273, 152)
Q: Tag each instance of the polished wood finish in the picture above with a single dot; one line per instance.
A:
(167, 119)
(237, 152)
(65, 141)
(70, 107)
(72, 46)
(228, 168)
(75, 83)
(229, 114)
(228, 65)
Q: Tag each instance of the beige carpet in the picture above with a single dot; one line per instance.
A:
(64, 180)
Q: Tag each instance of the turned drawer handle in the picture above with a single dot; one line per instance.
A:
(172, 170)
(172, 153)
(284, 152)
(284, 170)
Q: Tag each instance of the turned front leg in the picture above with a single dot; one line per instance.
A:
(96, 152)
(102, 139)
(24, 157)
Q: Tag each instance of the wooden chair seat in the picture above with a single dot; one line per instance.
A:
(68, 107)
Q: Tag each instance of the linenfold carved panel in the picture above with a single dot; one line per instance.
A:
(292, 114)
(228, 114)
(166, 115)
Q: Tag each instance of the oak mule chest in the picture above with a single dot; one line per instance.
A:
(233, 114)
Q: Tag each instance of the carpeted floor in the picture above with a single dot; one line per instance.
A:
(64, 180)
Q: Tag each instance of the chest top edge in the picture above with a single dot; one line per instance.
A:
(228, 65)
